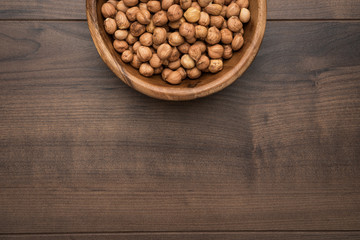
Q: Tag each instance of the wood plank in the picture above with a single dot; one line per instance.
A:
(49, 9)
(277, 9)
(309, 9)
(82, 152)
(198, 236)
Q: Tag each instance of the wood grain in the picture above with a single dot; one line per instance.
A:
(308, 9)
(49, 9)
(198, 236)
(82, 152)
(277, 9)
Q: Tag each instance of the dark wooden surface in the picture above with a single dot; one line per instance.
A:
(277, 9)
(274, 156)
(198, 236)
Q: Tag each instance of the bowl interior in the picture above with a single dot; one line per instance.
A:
(188, 89)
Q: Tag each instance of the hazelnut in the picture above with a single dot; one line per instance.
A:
(191, 40)
(174, 64)
(185, 4)
(164, 51)
(201, 45)
(131, 13)
(204, 19)
(174, 77)
(193, 73)
(165, 4)
(216, 65)
(243, 3)
(108, 10)
(127, 56)
(130, 39)
(203, 63)
(158, 70)
(182, 72)
(200, 32)
(216, 21)
(144, 54)
(143, 16)
(168, 40)
(187, 62)
(146, 70)
(113, 2)
(159, 35)
(245, 15)
(155, 61)
(234, 24)
(195, 52)
(204, 3)
(213, 9)
(154, 6)
(223, 11)
(213, 36)
(187, 30)
(160, 18)
(136, 46)
(237, 42)
(146, 39)
(174, 13)
(121, 7)
(110, 25)
(226, 36)
(221, 2)
(150, 27)
(228, 53)
(175, 39)
(130, 3)
(135, 62)
(184, 48)
(216, 51)
(175, 54)
(142, 6)
(232, 10)
(192, 14)
(120, 46)
(136, 29)
(177, 24)
(121, 34)
(121, 20)
(165, 73)
(196, 5)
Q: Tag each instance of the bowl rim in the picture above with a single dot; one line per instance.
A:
(177, 94)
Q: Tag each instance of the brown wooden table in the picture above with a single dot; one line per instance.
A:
(274, 156)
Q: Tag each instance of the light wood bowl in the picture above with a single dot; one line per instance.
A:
(189, 89)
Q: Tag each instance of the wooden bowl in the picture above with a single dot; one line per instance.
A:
(189, 89)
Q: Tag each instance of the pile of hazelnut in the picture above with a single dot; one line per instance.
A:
(176, 38)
